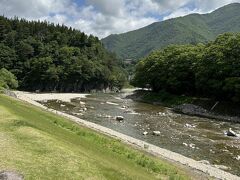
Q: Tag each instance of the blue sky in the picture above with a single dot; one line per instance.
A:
(105, 17)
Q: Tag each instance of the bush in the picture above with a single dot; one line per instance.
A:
(7, 80)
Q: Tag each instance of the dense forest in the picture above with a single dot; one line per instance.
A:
(190, 29)
(211, 70)
(49, 57)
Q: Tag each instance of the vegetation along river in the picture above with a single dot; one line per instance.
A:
(199, 138)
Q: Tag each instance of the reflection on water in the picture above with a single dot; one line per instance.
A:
(198, 138)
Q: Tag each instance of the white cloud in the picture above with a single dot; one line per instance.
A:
(32, 8)
(103, 24)
(209, 5)
(180, 12)
(111, 8)
(104, 17)
(200, 6)
(170, 5)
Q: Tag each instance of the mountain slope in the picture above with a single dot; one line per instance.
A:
(194, 28)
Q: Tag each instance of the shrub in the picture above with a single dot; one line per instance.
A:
(7, 80)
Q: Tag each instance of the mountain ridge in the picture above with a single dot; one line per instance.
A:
(190, 29)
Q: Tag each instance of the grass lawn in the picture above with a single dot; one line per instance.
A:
(41, 145)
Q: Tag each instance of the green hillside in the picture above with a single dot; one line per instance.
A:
(48, 57)
(190, 29)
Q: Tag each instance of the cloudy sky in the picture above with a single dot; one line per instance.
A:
(104, 17)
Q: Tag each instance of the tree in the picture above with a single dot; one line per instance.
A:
(7, 79)
(25, 50)
(7, 57)
(51, 57)
(211, 70)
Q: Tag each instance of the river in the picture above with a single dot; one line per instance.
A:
(194, 137)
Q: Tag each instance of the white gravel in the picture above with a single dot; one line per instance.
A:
(66, 97)
(155, 150)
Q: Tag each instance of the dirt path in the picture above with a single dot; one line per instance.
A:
(155, 150)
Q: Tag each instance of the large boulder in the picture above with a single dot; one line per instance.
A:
(119, 118)
(230, 132)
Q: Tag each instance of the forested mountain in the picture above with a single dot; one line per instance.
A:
(211, 70)
(50, 57)
(190, 29)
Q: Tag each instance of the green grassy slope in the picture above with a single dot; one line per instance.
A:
(41, 145)
(194, 28)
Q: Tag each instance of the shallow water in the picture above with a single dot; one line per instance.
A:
(198, 138)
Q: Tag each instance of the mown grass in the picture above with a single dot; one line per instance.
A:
(41, 145)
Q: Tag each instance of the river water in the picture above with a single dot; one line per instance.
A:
(194, 137)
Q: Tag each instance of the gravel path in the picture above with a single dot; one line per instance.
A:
(155, 150)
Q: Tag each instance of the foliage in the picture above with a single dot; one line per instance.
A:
(212, 70)
(191, 29)
(41, 145)
(50, 57)
(164, 98)
(7, 79)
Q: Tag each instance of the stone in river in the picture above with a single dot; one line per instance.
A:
(189, 126)
(108, 116)
(156, 133)
(111, 103)
(238, 158)
(145, 133)
(124, 107)
(230, 132)
(82, 103)
(119, 118)
(192, 146)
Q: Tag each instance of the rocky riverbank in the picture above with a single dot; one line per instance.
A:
(223, 111)
(194, 110)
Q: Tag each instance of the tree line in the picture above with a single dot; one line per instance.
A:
(48, 57)
(211, 70)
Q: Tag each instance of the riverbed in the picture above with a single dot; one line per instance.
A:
(199, 138)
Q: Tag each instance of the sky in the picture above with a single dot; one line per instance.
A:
(104, 17)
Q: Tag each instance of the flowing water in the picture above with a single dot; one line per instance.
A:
(194, 137)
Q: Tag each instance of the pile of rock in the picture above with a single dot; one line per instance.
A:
(191, 109)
